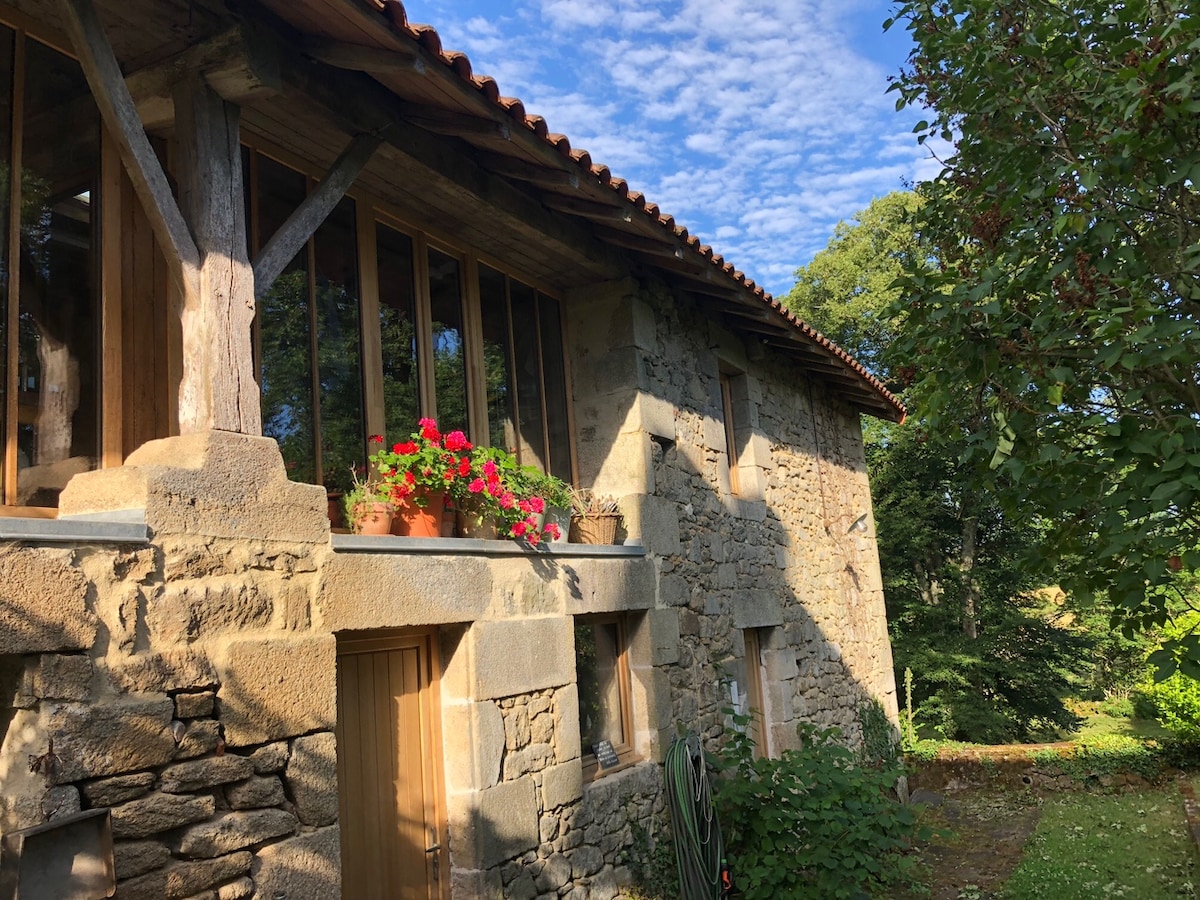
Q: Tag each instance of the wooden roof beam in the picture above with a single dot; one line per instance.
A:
(357, 103)
(232, 65)
(509, 167)
(402, 57)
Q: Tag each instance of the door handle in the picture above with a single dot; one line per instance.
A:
(433, 848)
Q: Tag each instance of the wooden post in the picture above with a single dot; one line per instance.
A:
(218, 389)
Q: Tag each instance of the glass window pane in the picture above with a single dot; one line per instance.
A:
(285, 331)
(397, 326)
(449, 357)
(554, 378)
(6, 110)
(339, 347)
(527, 365)
(493, 307)
(58, 429)
(597, 656)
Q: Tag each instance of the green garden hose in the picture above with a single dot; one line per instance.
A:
(699, 850)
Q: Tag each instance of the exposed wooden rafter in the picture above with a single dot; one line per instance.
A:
(401, 58)
(509, 167)
(591, 210)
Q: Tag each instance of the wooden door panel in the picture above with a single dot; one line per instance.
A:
(390, 804)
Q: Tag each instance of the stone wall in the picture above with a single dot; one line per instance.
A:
(190, 683)
(777, 555)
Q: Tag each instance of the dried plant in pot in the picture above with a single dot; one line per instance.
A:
(368, 507)
(595, 518)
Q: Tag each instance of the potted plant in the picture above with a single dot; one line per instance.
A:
(556, 519)
(499, 493)
(595, 518)
(418, 473)
(368, 507)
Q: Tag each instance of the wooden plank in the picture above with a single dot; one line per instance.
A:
(218, 389)
(117, 108)
(112, 415)
(372, 339)
(308, 216)
(13, 323)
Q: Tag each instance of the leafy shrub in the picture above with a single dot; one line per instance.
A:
(1176, 704)
(812, 823)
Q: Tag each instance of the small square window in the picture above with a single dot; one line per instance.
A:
(602, 674)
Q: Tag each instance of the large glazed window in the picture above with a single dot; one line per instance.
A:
(309, 339)
(371, 327)
(49, 299)
(525, 372)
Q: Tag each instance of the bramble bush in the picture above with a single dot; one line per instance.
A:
(813, 823)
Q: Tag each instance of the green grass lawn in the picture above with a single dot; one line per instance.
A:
(1088, 846)
(1097, 724)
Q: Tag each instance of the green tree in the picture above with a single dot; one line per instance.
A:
(849, 283)
(990, 660)
(1067, 227)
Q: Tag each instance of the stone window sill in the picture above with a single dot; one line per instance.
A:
(126, 527)
(358, 543)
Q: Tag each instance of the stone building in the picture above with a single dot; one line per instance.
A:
(303, 219)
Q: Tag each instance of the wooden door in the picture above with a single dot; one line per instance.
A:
(389, 770)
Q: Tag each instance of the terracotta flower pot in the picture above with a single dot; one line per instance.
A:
(373, 518)
(473, 522)
(416, 521)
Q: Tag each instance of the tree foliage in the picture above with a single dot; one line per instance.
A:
(990, 663)
(849, 283)
(1066, 225)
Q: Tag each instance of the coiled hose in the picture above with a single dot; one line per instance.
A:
(699, 850)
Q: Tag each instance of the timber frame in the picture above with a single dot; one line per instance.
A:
(395, 99)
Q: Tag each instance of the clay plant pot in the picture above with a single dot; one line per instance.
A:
(595, 528)
(373, 518)
(473, 522)
(561, 518)
(412, 520)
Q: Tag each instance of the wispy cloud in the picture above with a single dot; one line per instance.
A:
(758, 124)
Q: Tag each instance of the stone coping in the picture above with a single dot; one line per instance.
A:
(357, 543)
(120, 527)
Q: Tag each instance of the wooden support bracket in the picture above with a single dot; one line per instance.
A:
(120, 115)
(308, 216)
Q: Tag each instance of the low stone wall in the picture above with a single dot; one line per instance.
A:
(1045, 768)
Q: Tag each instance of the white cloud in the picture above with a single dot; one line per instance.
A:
(758, 124)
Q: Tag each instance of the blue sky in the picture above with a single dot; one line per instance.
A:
(757, 124)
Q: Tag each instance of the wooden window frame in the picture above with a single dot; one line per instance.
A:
(106, 230)
(626, 753)
(730, 430)
(756, 698)
(371, 211)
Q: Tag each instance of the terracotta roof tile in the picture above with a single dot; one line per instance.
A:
(460, 64)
